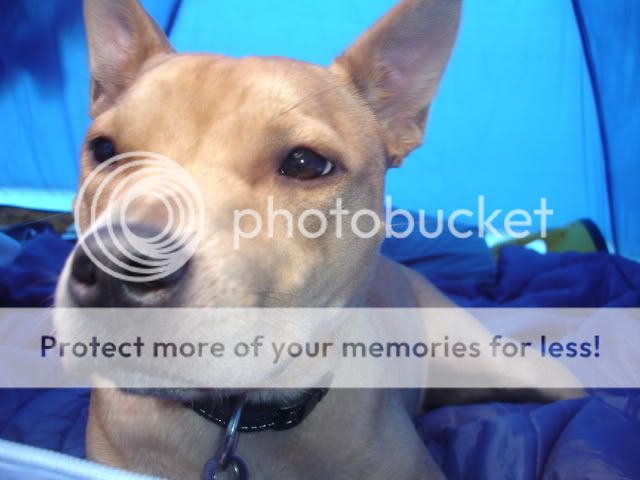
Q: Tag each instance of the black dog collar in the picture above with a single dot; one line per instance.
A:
(260, 416)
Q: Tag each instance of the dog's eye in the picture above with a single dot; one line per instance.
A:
(103, 149)
(305, 164)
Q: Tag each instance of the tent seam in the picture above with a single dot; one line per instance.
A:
(172, 17)
(597, 98)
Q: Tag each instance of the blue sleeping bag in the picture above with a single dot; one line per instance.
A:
(591, 438)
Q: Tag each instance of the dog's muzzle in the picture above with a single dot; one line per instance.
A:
(108, 269)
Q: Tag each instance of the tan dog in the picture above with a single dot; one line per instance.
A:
(241, 127)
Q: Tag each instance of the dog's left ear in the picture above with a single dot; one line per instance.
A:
(396, 67)
(122, 37)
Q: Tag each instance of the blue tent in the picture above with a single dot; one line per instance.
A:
(541, 98)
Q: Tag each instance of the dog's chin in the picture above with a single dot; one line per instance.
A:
(186, 395)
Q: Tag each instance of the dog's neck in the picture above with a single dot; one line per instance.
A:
(345, 433)
(395, 286)
(345, 437)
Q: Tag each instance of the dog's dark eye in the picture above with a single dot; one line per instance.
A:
(305, 164)
(103, 149)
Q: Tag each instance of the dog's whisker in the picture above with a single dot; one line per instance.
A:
(47, 302)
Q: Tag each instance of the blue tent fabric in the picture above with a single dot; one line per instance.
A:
(611, 37)
(44, 101)
(546, 91)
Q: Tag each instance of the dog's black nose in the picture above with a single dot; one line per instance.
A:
(133, 267)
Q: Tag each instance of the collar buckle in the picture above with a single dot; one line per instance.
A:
(225, 461)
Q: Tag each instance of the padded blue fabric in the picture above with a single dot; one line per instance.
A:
(528, 279)
(52, 419)
(586, 438)
(591, 438)
(445, 257)
(30, 281)
(24, 462)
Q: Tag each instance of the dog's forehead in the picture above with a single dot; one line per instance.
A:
(189, 102)
(222, 85)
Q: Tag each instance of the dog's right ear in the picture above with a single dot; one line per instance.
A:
(121, 37)
(397, 65)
